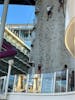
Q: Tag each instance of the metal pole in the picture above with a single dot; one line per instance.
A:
(67, 76)
(8, 76)
(4, 83)
(27, 83)
(14, 85)
(41, 82)
(3, 20)
(54, 82)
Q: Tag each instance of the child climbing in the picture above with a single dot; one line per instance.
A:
(61, 6)
(49, 12)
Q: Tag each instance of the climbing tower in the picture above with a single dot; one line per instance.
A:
(48, 47)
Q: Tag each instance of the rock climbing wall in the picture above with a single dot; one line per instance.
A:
(48, 47)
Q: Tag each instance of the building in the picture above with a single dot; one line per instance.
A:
(16, 37)
(49, 53)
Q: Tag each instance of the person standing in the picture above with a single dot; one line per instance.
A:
(64, 72)
(61, 2)
(72, 81)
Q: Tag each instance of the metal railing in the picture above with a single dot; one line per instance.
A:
(57, 82)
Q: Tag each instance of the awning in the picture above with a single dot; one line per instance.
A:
(9, 50)
(19, 66)
(23, 2)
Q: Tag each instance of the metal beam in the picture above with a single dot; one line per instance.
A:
(21, 2)
(15, 67)
(3, 21)
(20, 70)
(3, 71)
(23, 62)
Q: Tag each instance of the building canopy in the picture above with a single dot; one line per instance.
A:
(23, 2)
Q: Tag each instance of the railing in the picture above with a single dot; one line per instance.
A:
(2, 84)
(56, 82)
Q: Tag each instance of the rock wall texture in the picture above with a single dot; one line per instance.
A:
(48, 47)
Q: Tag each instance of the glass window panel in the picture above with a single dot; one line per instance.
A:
(60, 85)
(48, 83)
